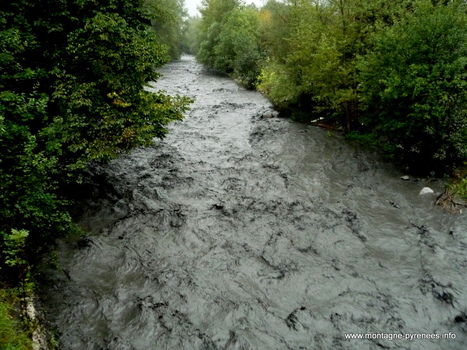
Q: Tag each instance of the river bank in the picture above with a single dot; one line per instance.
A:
(242, 230)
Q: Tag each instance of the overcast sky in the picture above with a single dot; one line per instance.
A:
(192, 5)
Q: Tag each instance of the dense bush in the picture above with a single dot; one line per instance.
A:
(314, 74)
(238, 51)
(414, 86)
(214, 15)
(72, 83)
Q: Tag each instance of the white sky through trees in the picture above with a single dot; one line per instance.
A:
(192, 5)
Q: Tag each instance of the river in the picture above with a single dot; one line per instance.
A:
(242, 230)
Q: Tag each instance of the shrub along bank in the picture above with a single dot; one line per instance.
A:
(391, 73)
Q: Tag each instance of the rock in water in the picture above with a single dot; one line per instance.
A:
(426, 190)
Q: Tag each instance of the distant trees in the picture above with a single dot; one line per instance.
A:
(214, 15)
(238, 51)
(230, 39)
(190, 35)
(167, 17)
(389, 72)
(71, 91)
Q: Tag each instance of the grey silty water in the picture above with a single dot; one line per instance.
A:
(240, 231)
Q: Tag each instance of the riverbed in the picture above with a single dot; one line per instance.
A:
(243, 230)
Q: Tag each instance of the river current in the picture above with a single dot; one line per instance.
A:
(242, 230)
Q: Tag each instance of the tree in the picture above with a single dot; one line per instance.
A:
(316, 71)
(214, 13)
(167, 18)
(414, 85)
(275, 28)
(238, 51)
(190, 35)
(71, 92)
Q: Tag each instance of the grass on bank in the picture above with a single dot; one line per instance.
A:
(12, 334)
(459, 184)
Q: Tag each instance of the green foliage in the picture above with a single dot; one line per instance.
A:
(117, 61)
(275, 29)
(167, 21)
(316, 70)
(276, 83)
(459, 187)
(12, 335)
(238, 51)
(190, 35)
(391, 73)
(230, 40)
(14, 245)
(72, 90)
(283, 77)
(214, 14)
(414, 85)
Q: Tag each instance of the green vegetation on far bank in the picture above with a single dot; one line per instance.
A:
(391, 73)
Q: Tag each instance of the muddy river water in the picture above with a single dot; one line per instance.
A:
(246, 231)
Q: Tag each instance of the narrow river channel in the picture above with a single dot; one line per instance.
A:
(242, 230)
